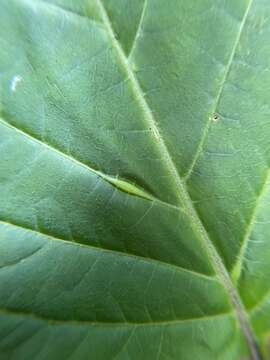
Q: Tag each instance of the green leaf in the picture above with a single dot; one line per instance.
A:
(134, 179)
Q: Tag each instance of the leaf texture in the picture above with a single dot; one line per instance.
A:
(134, 179)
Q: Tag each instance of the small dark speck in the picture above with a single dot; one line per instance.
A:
(215, 117)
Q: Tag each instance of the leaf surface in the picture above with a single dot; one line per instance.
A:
(134, 180)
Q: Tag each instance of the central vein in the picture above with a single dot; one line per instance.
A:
(181, 190)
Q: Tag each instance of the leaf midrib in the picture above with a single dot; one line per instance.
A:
(184, 195)
(148, 115)
(181, 190)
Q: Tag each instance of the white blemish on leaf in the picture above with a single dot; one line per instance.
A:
(15, 81)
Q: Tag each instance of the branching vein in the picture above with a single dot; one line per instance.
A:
(180, 188)
(219, 94)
